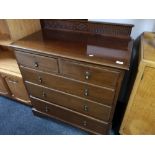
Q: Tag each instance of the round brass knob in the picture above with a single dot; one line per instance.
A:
(87, 75)
(46, 109)
(85, 108)
(86, 92)
(44, 94)
(36, 64)
(85, 123)
(40, 80)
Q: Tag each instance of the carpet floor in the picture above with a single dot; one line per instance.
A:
(18, 119)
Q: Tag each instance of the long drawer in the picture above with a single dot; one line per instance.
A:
(79, 120)
(46, 64)
(102, 76)
(98, 94)
(77, 104)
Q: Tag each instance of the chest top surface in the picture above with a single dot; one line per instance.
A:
(89, 47)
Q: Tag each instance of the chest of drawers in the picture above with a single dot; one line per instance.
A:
(70, 80)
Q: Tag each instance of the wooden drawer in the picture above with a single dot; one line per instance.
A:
(46, 64)
(3, 87)
(98, 94)
(79, 120)
(78, 104)
(101, 76)
(17, 88)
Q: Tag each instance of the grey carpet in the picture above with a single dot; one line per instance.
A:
(18, 119)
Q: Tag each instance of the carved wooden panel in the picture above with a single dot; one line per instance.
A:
(83, 26)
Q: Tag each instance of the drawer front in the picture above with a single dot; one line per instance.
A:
(71, 117)
(3, 87)
(17, 88)
(46, 64)
(80, 105)
(95, 75)
(98, 94)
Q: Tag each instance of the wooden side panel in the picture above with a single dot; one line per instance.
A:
(4, 32)
(148, 46)
(3, 28)
(140, 118)
(20, 28)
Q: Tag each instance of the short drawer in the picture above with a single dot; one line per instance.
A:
(74, 118)
(74, 103)
(46, 64)
(17, 88)
(98, 94)
(101, 76)
(3, 86)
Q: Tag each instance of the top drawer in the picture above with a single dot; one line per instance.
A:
(101, 76)
(46, 64)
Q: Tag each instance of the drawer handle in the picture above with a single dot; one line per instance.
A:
(85, 108)
(46, 109)
(85, 123)
(40, 80)
(86, 92)
(14, 82)
(36, 64)
(87, 75)
(44, 94)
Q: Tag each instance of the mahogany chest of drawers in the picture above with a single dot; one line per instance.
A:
(72, 75)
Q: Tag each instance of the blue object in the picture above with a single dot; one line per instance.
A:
(18, 119)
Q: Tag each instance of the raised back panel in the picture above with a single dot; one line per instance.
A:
(84, 26)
